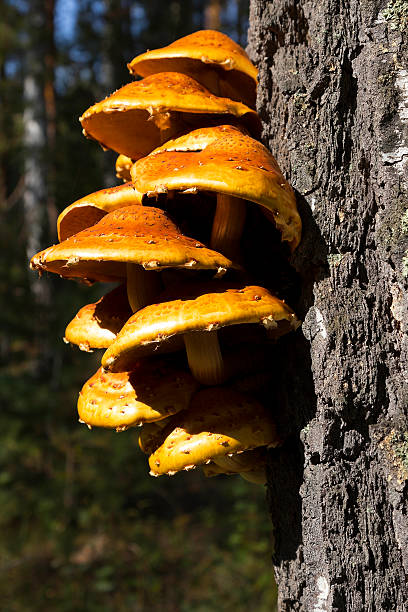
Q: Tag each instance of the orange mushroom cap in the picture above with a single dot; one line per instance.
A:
(222, 160)
(152, 391)
(205, 307)
(133, 234)
(218, 422)
(134, 120)
(200, 53)
(95, 326)
(90, 209)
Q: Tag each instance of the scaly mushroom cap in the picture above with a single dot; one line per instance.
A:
(153, 390)
(89, 210)
(96, 325)
(122, 167)
(223, 160)
(134, 119)
(199, 53)
(134, 234)
(199, 310)
(218, 422)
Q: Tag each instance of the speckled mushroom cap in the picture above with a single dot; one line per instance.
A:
(89, 210)
(135, 234)
(132, 120)
(205, 307)
(223, 160)
(200, 52)
(95, 326)
(153, 390)
(122, 167)
(218, 422)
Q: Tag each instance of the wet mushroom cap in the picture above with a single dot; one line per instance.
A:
(205, 307)
(90, 209)
(96, 325)
(218, 422)
(226, 161)
(136, 234)
(122, 167)
(195, 54)
(153, 390)
(132, 120)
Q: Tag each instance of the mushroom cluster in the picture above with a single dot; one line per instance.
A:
(182, 358)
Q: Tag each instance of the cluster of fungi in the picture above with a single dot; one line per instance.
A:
(182, 360)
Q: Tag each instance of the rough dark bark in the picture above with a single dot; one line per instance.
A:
(333, 98)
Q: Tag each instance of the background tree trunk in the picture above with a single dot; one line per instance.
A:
(38, 195)
(333, 97)
(35, 142)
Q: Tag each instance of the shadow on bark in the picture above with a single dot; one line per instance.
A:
(296, 398)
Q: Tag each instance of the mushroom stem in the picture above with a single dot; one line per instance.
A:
(142, 286)
(204, 357)
(211, 80)
(228, 225)
(168, 125)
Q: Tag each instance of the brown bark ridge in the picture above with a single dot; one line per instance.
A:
(333, 97)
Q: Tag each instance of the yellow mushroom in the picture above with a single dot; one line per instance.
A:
(208, 56)
(143, 114)
(219, 422)
(224, 161)
(153, 390)
(199, 312)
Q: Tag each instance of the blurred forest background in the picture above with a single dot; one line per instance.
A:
(83, 526)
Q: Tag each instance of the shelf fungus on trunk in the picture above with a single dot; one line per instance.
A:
(90, 209)
(155, 389)
(130, 243)
(208, 56)
(95, 326)
(225, 161)
(219, 422)
(142, 115)
(197, 314)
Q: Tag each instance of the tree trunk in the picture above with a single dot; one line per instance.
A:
(37, 197)
(212, 15)
(333, 97)
(35, 142)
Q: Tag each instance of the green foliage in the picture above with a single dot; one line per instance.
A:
(86, 528)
